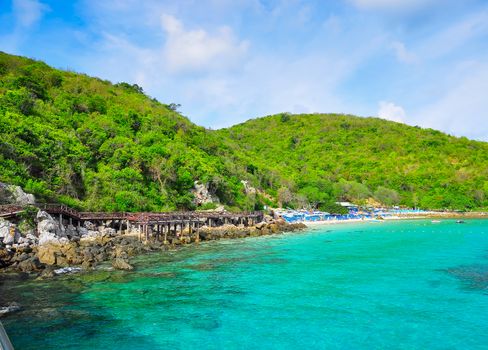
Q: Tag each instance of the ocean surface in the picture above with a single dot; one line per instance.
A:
(389, 285)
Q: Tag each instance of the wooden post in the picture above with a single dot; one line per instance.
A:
(61, 219)
(197, 232)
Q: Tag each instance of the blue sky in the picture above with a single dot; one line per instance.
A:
(421, 62)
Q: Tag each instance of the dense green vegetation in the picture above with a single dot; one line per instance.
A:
(323, 157)
(99, 146)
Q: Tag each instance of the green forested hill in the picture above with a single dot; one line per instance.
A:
(102, 146)
(328, 156)
(99, 146)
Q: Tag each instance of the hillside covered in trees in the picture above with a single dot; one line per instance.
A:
(96, 145)
(323, 157)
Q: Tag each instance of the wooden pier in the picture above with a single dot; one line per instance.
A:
(158, 224)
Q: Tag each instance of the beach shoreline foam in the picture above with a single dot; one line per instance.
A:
(425, 216)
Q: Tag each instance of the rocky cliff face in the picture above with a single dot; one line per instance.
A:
(49, 230)
(10, 194)
(202, 194)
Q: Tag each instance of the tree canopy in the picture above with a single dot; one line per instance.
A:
(95, 145)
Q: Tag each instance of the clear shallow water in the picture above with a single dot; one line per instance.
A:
(391, 285)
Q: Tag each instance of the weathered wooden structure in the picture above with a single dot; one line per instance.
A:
(158, 225)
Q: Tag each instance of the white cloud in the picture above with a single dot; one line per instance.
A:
(450, 39)
(392, 5)
(219, 78)
(28, 12)
(186, 52)
(190, 50)
(401, 52)
(391, 111)
(463, 109)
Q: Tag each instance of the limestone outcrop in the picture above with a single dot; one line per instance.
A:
(9, 233)
(49, 229)
(11, 194)
(202, 194)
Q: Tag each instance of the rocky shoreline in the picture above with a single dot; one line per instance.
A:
(52, 249)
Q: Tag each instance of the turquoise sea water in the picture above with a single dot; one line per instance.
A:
(391, 285)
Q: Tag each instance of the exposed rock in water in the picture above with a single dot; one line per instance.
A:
(58, 248)
(121, 264)
(11, 194)
(31, 264)
(66, 270)
(12, 307)
(48, 272)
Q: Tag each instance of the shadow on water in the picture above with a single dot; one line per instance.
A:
(473, 277)
(53, 316)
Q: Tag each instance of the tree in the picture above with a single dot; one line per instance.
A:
(386, 196)
(284, 196)
(174, 106)
(351, 191)
(314, 195)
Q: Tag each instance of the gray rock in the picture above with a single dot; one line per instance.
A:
(71, 231)
(42, 215)
(8, 232)
(11, 194)
(32, 238)
(66, 270)
(107, 231)
(202, 195)
(12, 307)
(48, 229)
(24, 241)
(89, 226)
(21, 197)
(91, 234)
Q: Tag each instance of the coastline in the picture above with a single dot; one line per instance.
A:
(60, 256)
(426, 216)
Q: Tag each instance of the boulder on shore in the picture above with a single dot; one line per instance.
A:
(49, 229)
(122, 264)
(8, 232)
(29, 265)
